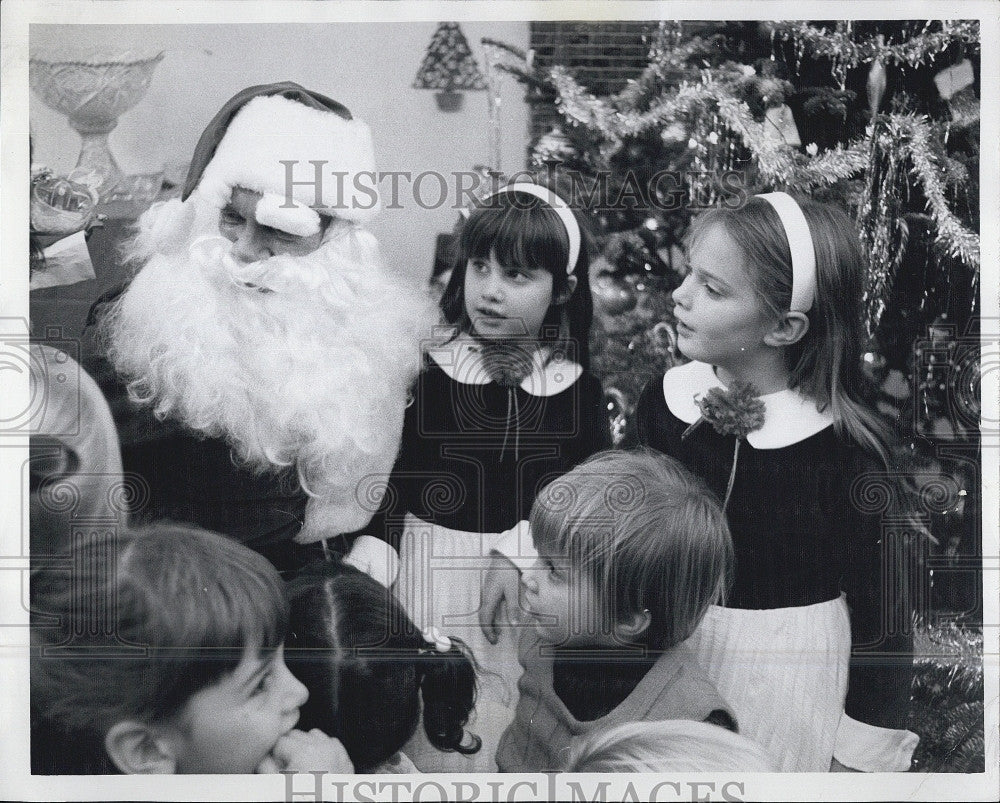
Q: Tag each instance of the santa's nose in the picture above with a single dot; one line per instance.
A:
(250, 247)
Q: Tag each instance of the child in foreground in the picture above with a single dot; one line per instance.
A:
(166, 656)
(632, 550)
(368, 667)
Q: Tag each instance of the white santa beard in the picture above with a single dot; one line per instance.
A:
(314, 373)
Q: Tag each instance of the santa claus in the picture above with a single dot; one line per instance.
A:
(262, 354)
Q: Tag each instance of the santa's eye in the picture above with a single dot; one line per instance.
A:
(230, 217)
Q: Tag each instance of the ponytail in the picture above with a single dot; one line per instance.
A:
(366, 666)
(448, 688)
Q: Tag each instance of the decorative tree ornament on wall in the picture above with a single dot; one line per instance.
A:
(449, 67)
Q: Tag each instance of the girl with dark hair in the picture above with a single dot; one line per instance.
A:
(812, 649)
(505, 405)
(368, 667)
(161, 652)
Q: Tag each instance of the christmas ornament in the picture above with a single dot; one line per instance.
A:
(448, 67)
(876, 84)
(954, 79)
(614, 295)
(664, 339)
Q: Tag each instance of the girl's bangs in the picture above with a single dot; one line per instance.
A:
(254, 614)
(529, 238)
(224, 598)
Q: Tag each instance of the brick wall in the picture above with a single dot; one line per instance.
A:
(603, 55)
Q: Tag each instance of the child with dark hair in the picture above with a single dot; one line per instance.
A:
(502, 407)
(632, 550)
(367, 668)
(162, 652)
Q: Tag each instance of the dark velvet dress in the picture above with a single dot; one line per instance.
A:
(473, 457)
(800, 667)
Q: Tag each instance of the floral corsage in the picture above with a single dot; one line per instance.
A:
(737, 411)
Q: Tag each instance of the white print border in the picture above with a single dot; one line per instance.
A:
(15, 783)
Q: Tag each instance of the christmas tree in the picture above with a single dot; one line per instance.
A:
(880, 117)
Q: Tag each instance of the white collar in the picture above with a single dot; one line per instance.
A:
(462, 360)
(789, 416)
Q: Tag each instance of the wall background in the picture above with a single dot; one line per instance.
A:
(368, 67)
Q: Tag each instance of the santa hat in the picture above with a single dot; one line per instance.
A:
(302, 151)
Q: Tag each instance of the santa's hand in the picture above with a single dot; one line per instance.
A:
(375, 558)
(298, 751)
(502, 582)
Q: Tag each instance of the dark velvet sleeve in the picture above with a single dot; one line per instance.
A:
(595, 429)
(878, 577)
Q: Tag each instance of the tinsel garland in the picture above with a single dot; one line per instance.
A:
(882, 230)
(778, 164)
(840, 46)
(904, 136)
(957, 240)
(901, 144)
(946, 709)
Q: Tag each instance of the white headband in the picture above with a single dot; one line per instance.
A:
(559, 206)
(800, 244)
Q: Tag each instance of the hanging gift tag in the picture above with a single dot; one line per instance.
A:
(954, 79)
(779, 124)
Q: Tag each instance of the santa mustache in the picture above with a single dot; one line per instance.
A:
(213, 254)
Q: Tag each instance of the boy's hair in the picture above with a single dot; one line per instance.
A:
(521, 230)
(676, 745)
(826, 363)
(646, 532)
(366, 667)
(143, 620)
